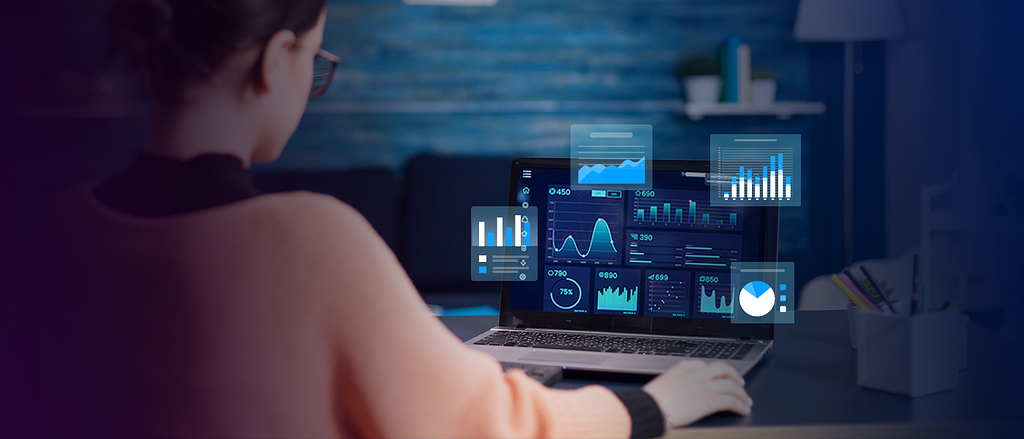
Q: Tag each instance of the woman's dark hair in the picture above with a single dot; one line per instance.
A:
(180, 42)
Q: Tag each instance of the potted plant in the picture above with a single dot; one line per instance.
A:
(762, 86)
(701, 79)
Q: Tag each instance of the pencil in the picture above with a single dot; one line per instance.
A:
(856, 292)
(853, 298)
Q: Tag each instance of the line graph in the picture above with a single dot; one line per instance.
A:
(582, 228)
(601, 237)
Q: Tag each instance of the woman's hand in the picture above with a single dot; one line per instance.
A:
(693, 389)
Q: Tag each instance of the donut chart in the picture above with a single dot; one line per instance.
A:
(757, 298)
(566, 293)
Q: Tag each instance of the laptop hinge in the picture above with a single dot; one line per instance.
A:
(746, 337)
(521, 325)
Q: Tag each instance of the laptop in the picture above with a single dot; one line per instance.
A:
(631, 281)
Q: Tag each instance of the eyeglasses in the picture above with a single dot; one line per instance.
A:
(323, 69)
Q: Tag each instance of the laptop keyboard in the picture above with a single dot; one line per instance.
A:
(619, 344)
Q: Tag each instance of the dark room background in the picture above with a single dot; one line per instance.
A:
(507, 80)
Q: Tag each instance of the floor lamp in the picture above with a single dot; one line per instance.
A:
(848, 22)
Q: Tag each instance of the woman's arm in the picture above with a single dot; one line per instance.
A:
(400, 372)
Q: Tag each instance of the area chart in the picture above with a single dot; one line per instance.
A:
(582, 228)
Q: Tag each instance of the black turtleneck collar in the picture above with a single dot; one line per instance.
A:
(157, 186)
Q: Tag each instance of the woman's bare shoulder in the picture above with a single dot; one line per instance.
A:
(309, 209)
(316, 223)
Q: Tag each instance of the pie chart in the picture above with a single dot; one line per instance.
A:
(757, 298)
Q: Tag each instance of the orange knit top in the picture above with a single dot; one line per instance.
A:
(281, 315)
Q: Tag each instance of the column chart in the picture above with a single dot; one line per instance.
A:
(504, 246)
(755, 170)
(680, 209)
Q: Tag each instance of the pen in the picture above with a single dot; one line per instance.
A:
(871, 279)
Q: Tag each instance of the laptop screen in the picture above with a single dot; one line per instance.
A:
(640, 260)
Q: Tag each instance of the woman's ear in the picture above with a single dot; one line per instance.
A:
(276, 62)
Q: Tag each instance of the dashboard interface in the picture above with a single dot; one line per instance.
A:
(658, 252)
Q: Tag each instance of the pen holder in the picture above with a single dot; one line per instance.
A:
(914, 356)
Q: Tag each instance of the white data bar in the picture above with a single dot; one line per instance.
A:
(482, 237)
(519, 230)
(499, 240)
(780, 181)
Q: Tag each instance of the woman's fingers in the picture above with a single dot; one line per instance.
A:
(692, 389)
(718, 369)
(730, 403)
(729, 387)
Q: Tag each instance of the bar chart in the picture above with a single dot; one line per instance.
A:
(683, 249)
(617, 291)
(768, 185)
(515, 233)
(760, 170)
(683, 209)
(504, 243)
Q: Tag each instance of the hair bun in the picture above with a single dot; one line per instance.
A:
(175, 43)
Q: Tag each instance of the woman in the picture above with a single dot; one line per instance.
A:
(202, 308)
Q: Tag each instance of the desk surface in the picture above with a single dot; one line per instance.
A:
(809, 379)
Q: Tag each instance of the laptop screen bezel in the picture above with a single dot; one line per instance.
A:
(679, 326)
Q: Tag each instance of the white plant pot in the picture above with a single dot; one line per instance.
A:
(702, 89)
(762, 91)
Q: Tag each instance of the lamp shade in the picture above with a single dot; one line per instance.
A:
(848, 20)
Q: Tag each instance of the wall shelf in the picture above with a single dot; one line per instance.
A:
(780, 109)
(783, 110)
(496, 107)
